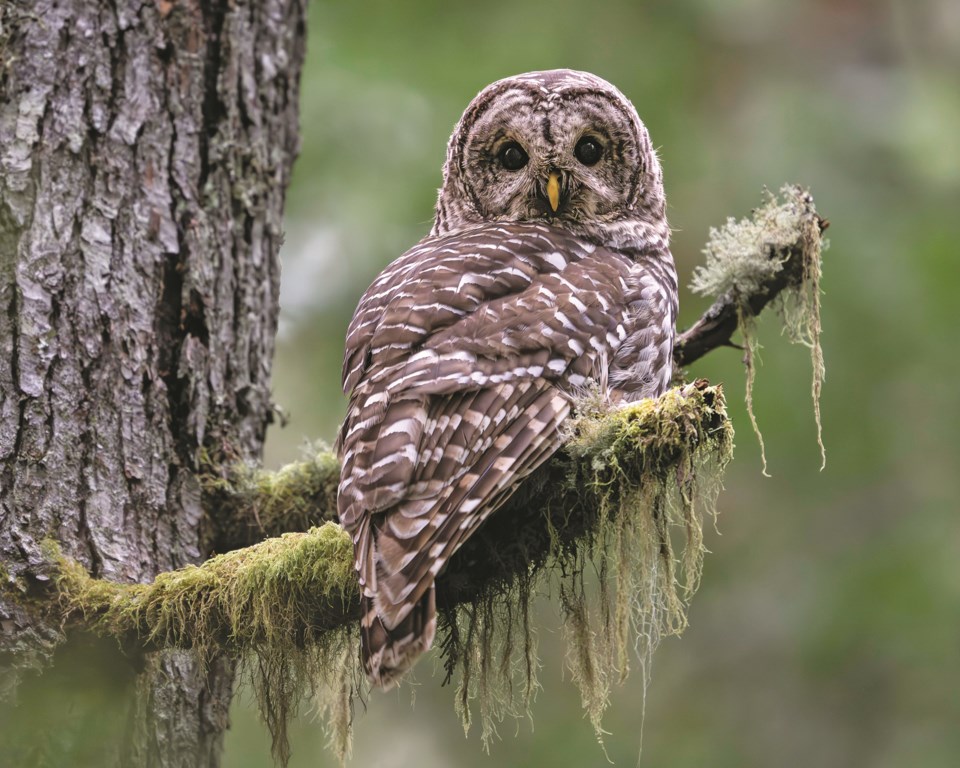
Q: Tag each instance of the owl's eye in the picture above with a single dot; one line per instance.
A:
(512, 157)
(588, 151)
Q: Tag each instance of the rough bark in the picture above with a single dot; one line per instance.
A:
(145, 148)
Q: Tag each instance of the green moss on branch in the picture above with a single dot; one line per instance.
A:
(283, 591)
(248, 504)
(292, 587)
(286, 606)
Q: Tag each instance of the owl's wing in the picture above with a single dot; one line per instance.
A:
(462, 358)
(440, 281)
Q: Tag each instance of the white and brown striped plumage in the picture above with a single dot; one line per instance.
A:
(465, 355)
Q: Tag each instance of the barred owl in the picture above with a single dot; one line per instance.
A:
(547, 267)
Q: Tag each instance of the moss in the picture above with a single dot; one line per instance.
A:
(654, 469)
(249, 504)
(289, 600)
(279, 591)
(743, 257)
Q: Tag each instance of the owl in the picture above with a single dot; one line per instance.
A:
(547, 270)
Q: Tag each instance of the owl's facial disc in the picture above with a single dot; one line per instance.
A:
(559, 146)
(536, 158)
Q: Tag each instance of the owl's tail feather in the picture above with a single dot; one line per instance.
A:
(387, 654)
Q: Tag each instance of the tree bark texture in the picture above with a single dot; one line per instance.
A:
(145, 149)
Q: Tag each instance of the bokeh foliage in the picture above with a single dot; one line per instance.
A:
(825, 632)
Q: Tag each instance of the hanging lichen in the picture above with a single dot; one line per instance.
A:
(775, 252)
(640, 473)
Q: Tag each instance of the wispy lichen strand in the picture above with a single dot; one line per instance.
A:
(654, 469)
(773, 255)
(640, 473)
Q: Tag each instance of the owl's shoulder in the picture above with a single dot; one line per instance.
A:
(444, 278)
(497, 279)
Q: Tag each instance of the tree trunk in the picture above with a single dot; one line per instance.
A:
(145, 149)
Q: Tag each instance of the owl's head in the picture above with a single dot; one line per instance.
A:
(560, 146)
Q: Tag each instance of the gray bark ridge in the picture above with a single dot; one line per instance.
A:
(145, 150)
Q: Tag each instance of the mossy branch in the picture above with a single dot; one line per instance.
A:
(249, 504)
(284, 590)
(288, 589)
(289, 604)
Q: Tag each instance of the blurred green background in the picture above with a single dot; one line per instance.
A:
(827, 628)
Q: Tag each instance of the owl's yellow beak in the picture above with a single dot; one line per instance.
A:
(553, 190)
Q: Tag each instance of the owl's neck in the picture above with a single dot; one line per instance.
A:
(635, 234)
(627, 234)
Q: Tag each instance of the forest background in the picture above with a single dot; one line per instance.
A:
(826, 628)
